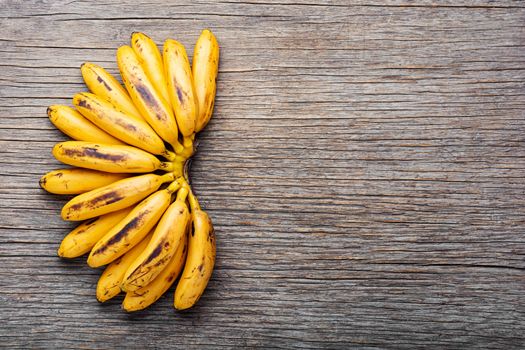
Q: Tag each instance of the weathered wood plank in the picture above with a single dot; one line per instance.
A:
(364, 170)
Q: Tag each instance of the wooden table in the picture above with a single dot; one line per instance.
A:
(364, 169)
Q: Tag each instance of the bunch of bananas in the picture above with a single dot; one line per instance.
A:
(147, 228)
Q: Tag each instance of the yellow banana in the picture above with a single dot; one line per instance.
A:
(147, 295)
(200, 259)
(205, 68)
(118, 195)
(134, 132)
(80, 241)
(74, 125)
(151, 60)
(108, 158)
(162, 247)
(103, 84)
(77, 180)
(180, 86)
(108, 285)
(153, 107)
(132, 229)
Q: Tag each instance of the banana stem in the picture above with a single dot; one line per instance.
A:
(194, 203)
(187, 141)
(169, 155)
(175, 185)
(178, 169)
(178, 148)
(183, 192)
(169, 177)
(166, 166)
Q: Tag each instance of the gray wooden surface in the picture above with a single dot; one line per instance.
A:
(364, 169)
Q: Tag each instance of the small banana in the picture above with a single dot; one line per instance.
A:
(180, 86)
(205, 68)
(151, 60)
(134, 132)
(77, 180)
(118, 195)
(103, 84)
(147, 295)
(200, 260)
(153, 107)
(108, 158)
(132, 229)
(162, 247)
(74, 125)
(80, 241)
(108, 285)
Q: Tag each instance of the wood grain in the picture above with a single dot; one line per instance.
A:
(364, 169)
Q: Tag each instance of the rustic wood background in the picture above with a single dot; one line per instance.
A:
(364, 169)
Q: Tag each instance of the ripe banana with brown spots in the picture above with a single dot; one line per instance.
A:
(200, 260)
(151, 60)
(147, 295)
(104, 85)
(205, 68)
(108, 158)
(118, 195)
(163, 245)
(74, 125)
(180, 86)
(80, 241)
(130, 151)
(108, 285)
(132, 229)
(152, 106)
(134, 132)
(77, 180)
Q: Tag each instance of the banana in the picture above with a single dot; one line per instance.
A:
(74, 125)
(134, 132)
(103, 84)
(77, 180)
(153, 107)
(200, 259)
(147, 295)
(108, 285)
(118, 195)
(132, 229)
(205, 68)
(108, 158)
(80, 241)
(162, 247)
(151, 60)
(180, 86)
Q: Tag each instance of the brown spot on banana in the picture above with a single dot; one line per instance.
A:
(133, 224)
(106, 198)
(102, 81)
(94, 153)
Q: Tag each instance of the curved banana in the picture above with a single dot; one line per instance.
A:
(80, 241)
(108, 285)
(200, 260)
(153, 107)
(77, 180)
(134, 132)
(132, 229)
(205, 69)
(118, 195)
(151, 60)
(147, 295)
(74, 125)
(162, 247)
(108, 158)
(103, 84)
(180, 86)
